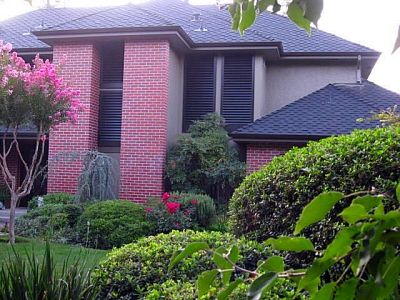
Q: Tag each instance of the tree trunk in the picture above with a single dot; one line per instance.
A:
(11, 224)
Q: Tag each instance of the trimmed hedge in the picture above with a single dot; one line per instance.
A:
(269, 202)
(56, 198)
(112, 223)
(132, 271)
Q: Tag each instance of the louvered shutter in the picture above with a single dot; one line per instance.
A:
(237, 90)
(199, 96)
(111, 95)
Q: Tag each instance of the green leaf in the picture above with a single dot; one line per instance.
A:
(296, 14)
(353, 213)
(272, 264)
(317, 209)
(391, 277)
(296, 244)
(226, 292)
(398, 186)
(189, 250)
(347, 290)
(326, 292)
(260, 284)
(223, 264)
(313, 10)
(204, 282)
(397, 46)
(341, 245)
(248, 16)
(264, 4)
(233, 254)
(369, 202)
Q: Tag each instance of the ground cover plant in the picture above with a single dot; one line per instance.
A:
(268, 202)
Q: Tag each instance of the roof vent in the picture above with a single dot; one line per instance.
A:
(40, 27)
(359, 69)
(196, 17)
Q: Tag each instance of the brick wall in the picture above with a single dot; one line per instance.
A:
(82, 71)
(144, 119)
(260, 154)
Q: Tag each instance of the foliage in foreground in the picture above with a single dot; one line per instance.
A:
(268, 202)
(368, 247)
(203, 161)
(131, 271)
(27, 279)
(112, 223)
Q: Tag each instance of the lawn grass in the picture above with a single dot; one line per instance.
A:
(61, 252)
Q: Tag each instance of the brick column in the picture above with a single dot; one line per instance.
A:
(81, 70)
(258, 155)
(144, 119)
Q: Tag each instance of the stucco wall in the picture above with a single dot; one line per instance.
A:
(282, 84)
(175, 96)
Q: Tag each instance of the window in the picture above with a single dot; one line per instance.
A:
(237, 96)
(199, 92)
(112, 69)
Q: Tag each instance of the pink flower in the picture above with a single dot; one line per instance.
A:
(149, 209)
(165, 197)
(194, 202)
(7, 47)
(172, 207)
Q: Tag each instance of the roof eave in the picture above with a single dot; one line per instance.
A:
(281, 138)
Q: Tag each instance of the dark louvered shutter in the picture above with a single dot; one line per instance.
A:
(237, 90)
(199, 97)
(112, 69)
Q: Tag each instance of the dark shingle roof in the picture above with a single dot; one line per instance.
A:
(331, 110)
(269, 28)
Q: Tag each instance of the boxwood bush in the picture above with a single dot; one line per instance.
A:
(112, 223)
(269, 201)
(56, 198)
(132, 271)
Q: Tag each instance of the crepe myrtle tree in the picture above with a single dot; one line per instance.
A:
(35, 96)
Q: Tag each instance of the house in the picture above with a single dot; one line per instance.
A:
(146, 71)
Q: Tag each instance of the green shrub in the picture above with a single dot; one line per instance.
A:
(268, 202)
(203, 161)
(57, 198)
(177, 290)
(55, 222)
(112, 223)
(130, 272)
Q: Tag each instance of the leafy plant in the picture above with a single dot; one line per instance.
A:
(97, 180)
(132, 271)
(56, 198)
(26, 279)
(368, 247)
(112, 223)
(268, 202)
(204, 162)
(53, 221)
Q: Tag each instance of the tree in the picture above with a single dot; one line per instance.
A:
(31, 96)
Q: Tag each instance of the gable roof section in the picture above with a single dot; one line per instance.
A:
(162, 14)
(332, 110)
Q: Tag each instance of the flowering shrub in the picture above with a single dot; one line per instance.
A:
(167, 215)
(32, 96)
(181, 211)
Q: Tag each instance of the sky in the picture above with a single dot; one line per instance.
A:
(361, 21)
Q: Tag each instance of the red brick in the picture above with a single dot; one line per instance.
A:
(144, 119)
(261, 154)
(82, 71)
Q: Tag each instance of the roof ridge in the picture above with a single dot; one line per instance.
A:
(153, 13)
(83, 17)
